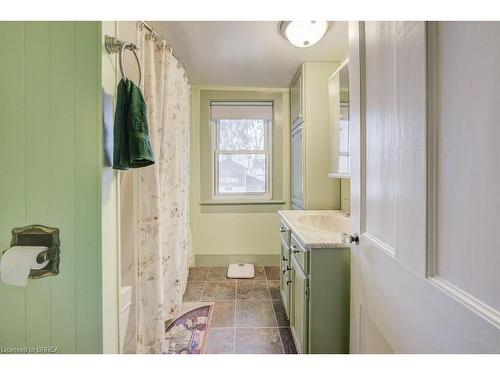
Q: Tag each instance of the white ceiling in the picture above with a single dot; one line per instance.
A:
(231, 53)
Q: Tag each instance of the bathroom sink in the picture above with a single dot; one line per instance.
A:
(317, 228)
(321, 223)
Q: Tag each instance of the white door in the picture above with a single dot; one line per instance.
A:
(425, 189)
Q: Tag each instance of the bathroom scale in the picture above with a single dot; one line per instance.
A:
(241, 271)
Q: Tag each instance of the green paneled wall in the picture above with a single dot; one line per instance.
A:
(50, 173)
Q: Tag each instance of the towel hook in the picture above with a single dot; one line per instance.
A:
(133, 48)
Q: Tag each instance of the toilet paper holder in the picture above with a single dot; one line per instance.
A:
(39, 235)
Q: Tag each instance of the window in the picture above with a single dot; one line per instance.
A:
(241, 144)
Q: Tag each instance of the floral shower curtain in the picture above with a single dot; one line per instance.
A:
(163, 239)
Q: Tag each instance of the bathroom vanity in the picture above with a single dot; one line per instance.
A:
(315, 279)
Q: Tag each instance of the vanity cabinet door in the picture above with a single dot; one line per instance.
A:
(300, 302)
(285, 276)
(297, 170)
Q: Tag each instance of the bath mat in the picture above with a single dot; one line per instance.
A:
(188, 333)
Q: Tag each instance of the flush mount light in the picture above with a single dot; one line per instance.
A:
(303, 33)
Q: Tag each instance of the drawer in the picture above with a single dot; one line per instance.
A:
(285, 234)
(300, 254)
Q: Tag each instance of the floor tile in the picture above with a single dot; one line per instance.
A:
(252, 290)
(223, 314)
(220, 341)
(198, 273)
(259, 273)
(272, 272)
(219, 291)
(220, 274)
(279, 310)
(191, 305)
(274, 289)
(193, 291)
(255, 314)
(258, 341)
(217, 274)
(287, 340)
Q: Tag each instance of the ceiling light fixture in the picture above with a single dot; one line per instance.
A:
(303, 33)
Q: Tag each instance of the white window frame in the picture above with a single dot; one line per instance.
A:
(267, 195)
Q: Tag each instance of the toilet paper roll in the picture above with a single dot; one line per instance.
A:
(17, 262)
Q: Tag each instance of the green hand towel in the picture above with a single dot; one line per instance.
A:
(132, 147)
(120, 149)
(140, 150)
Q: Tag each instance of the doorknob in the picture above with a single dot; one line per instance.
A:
(349, 239)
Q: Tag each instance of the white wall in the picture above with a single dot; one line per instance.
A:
(117, 250)
(109, 211)
(126, 31)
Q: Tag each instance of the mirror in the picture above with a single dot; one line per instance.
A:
(338, 93)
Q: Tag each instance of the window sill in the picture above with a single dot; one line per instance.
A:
(339, 175)
(242, 202)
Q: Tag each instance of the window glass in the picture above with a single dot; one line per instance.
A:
(242, 149)
(242, 173)
(242, 134)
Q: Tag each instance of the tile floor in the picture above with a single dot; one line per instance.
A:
(248, 315)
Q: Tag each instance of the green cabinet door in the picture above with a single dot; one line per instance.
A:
(296, 101)
(299, 306)
(285, 277)
(297, 166)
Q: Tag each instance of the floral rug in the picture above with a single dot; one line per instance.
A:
(188, 333)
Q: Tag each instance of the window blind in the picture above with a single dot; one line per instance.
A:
(241, 110)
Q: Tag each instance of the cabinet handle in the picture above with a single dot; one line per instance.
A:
(350, 239)
(285, 259)
(282, 229)
(294, 249)
(288, 282)
(286, 269)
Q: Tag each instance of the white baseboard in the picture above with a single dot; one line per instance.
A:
(225, 259)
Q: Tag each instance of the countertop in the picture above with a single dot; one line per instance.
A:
(317, 228)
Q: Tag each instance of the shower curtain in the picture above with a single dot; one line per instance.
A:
(161, 195)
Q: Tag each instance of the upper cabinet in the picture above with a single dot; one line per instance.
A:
(310, 138)
(338, 92)
(296, 100)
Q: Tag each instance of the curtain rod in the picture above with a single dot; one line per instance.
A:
(150, 28)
